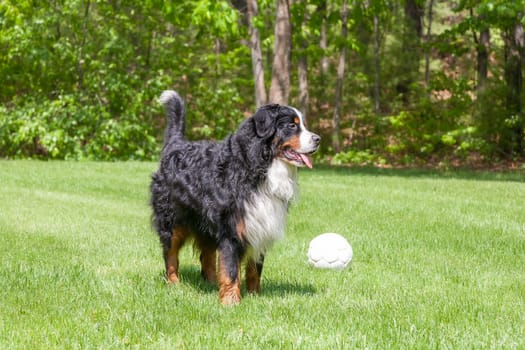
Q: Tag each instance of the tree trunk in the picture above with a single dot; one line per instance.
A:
(280, 87)
(320, 95)
(482, 51)
(303, 85)
(483, 59)
(336, 138)
(514, 44)
(257, 62)
(323, 42)
(377, 66)
(428, 50)
(302, 72)
(367, 37)
(80, 63)
(413, 16)
(410, 46)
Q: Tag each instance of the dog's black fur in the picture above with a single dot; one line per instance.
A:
(202, 188)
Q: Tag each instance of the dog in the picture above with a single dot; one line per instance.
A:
(230, 197)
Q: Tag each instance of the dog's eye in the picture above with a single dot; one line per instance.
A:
(292, 126)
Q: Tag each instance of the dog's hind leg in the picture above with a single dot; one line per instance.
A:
(253, 274)
(171, 253)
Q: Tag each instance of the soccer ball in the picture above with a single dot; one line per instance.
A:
(330, 250)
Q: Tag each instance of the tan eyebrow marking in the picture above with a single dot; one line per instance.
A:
(296, 120)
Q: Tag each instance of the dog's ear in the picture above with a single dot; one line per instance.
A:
(264, 120)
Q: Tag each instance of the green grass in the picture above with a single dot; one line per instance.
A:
(439, 262)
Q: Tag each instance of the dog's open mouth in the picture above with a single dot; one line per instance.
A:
(296, 158)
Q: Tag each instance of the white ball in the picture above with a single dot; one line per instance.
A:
(330, 250)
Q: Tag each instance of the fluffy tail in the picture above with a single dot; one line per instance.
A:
(175, 113)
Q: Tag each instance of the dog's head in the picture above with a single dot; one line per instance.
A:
(286, 128)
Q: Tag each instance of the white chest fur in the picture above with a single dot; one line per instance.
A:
(266, 210)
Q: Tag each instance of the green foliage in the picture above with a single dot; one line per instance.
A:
(216, 16)
(357, 158)
(67, 128)
(80, 79)
(439, 124)
(495, 124)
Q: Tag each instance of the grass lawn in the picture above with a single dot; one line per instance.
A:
(439, 262)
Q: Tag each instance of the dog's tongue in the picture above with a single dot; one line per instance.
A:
(306, 159)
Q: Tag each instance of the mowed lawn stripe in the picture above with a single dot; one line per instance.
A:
(438, 263)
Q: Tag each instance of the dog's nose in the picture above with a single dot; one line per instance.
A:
(316, 139)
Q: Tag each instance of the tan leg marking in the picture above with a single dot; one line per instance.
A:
(253, 280)
(229, 290)
(172, 259)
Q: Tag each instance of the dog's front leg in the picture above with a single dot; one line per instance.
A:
(229, 273)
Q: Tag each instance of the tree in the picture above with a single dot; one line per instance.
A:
(482, 42)
(323, 42)
(503, 127)
(427, 40)
(411, 44)
(302, 65)
(377, 64)
(255, 46)
(80, 78)
(336, 138)
(322, 10)
(280, 86)
(514, 40)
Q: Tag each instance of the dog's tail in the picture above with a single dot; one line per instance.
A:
(175, 113)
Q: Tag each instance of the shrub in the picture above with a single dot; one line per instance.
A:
(74, 128)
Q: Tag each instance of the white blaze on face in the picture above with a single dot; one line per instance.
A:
(306, 137)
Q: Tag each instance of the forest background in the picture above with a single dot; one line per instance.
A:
(386, 83)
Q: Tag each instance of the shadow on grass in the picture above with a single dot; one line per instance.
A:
(462, 174)
(280, 288)
(190, 275)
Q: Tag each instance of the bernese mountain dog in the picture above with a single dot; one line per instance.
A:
(230, 197)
